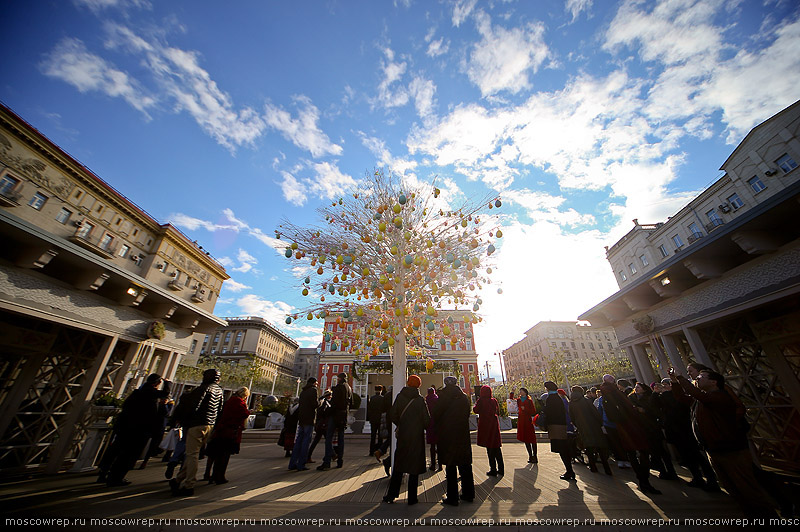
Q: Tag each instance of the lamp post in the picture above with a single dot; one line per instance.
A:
(325, 376)
(273, 382)
(297, 393)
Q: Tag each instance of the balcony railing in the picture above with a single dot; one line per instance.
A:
(694, 237)
(10, 197)
(96, 244)
(715, 222)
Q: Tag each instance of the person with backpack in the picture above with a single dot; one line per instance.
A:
(197, 417)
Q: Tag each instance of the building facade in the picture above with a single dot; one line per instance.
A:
(251, 338)
(567, 341)
(719, 283)
(94, 295)
(306, 363)
(447, 350)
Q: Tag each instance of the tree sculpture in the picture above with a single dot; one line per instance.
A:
(391, 257)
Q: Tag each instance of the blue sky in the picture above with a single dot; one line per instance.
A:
(580, 114)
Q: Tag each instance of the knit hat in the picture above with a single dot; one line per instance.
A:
(414, 381)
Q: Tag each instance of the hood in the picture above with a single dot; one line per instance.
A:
(409, 392)
(486, 392)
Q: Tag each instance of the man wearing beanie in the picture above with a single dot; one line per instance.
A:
(410, 413)
(341, 401)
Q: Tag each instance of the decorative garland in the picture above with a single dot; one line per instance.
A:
(416, 366)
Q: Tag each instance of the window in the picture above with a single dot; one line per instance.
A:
(677, 240)
(8, 184)
(786, 163)
(84, 230)
(236, 349)
(591, 346)
(239, 336)
(194, 346)
(37, 201)
(696, 233)
(216, 337)
(609, 345)
(330, 327)
(735, 201)
(336, 369)
(224, 349)
(63, 215)
(714, 218)
(632, 268)
(227, 337)
(470, 368)
(663, 250)
(106, 241)
(124, 250)
(622, 276)
(643, 259)
(756, 184)
(469, 345)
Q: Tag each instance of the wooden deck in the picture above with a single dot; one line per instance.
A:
(261, 487)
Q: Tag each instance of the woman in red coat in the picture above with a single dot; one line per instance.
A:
(526, 432)
(489, 430)
(227, 435)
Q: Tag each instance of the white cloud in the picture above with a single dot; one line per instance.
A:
(246, 260)
(461, 10)
(392, 92)
(576, 7)
(699, 77)
(328, 182)
(230, 223)
(504, 58)
(438, 47)
(71, 62)
(191, 88)
(544, 207)
(273, 311)
(98, 6)
(384, 158)
(304, 131)
(547, 275)
(234, 286)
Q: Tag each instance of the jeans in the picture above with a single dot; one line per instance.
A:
(301, 442)
(332, 428)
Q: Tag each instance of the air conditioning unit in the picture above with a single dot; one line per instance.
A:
(771, 172)
(725, 207)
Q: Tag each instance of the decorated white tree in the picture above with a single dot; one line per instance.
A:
(392, 256)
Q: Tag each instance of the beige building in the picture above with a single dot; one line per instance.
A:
(94, 295)
(251, 336)
(719, 283)
(569, 340)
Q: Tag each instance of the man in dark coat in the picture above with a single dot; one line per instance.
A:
(590, 426)
(133, 427)
(341, 401)
(410, 413)
(631, 432)
(306, 414)
(721, 432)
(678, 431)
(451, 415)
(321, 424)
(556, 414)
(374, 412)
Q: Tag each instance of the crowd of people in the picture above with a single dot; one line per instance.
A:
(700, 417)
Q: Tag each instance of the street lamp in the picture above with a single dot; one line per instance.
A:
(273, 382)
(297, 393)
(325, 376)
